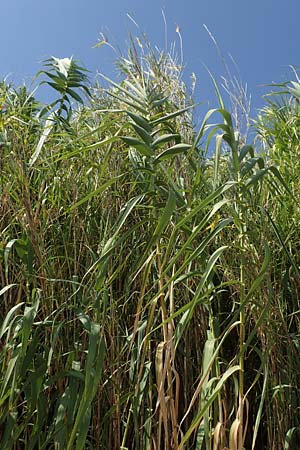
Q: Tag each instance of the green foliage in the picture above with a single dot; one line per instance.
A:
(150, 292)
(65, 76)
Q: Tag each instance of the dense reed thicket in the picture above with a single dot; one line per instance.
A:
(149, 267)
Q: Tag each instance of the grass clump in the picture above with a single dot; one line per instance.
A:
(149, 287)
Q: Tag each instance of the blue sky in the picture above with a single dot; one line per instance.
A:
(261, 35)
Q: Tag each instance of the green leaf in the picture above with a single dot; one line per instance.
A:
(139, 103)
(92, 194)
(172, 151)
(163, 139)
(186, 318)
(250, 164)
(8, 317)
(259, 278)
(147, 138)
(199, 416)
(74, 95)
(93, 371)
(256, 177)
(289, 437)
(140, 120)
(166, 215)
(245, 150)
(140, 146)
(170, 116)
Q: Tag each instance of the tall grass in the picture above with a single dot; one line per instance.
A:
(150, 291)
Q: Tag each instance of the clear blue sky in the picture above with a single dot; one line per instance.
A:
(262, 35)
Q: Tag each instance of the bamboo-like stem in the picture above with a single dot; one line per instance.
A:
(168, 339)
(242, 325)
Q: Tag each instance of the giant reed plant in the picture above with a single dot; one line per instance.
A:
(141, 279)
